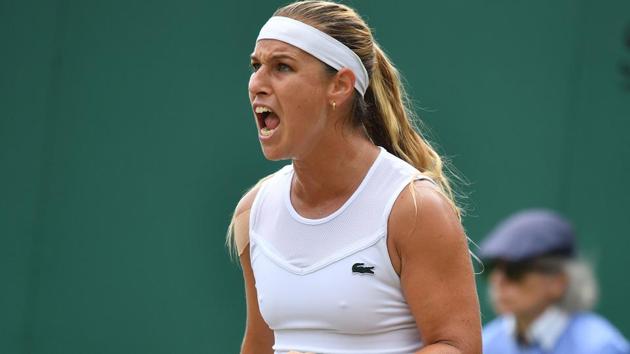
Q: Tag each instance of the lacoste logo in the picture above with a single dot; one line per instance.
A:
(361, 268)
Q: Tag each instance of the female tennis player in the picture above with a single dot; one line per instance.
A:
(357, 245)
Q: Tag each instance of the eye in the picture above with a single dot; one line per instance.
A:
(255, 66)
(284, 67)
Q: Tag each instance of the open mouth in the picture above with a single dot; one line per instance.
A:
(268, 121)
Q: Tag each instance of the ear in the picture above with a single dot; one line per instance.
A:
(558, 285)
(341, 88)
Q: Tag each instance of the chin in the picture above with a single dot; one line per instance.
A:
(501, 307)
(501, 310)
(273, 153)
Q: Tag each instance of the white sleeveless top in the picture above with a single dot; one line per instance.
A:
(327, 285)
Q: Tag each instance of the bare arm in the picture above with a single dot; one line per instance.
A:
(258, 338)
(435, 270)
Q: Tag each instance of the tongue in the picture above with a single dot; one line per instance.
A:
(272, 121)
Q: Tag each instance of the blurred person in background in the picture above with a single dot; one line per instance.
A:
(542, 292)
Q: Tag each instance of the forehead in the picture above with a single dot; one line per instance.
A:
(267, 47)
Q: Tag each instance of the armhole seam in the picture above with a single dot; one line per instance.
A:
(388, 210)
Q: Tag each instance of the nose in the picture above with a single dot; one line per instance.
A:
(259, 83)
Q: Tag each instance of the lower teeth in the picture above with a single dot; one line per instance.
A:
(265, 131)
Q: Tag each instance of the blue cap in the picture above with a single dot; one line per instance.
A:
(529, 234)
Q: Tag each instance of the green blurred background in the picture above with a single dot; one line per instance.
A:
(126, 140)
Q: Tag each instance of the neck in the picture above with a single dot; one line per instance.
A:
(524, 321)
(333, 170)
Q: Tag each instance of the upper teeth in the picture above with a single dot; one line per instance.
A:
(261, 109)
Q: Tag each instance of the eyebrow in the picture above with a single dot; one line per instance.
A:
(274, 56)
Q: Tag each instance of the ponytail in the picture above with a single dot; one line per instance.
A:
(384, 111)
(388, 120)
(390, 124)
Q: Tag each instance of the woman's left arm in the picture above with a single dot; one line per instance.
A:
(435, 270)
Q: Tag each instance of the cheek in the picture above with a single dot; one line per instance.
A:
(304, 92)
(302, 104)
(249, 88)
(554, 288)
(534, 290)
(504, 291)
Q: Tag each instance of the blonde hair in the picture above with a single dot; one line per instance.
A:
(385, 111)
(230, 240)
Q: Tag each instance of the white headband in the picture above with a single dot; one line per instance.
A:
(318, 44)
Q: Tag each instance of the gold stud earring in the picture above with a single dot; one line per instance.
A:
(334, 104)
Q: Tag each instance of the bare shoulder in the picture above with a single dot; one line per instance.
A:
(423, 217)
(247, 200)
(241, 218)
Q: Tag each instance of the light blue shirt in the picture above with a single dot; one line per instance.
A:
(556, 332)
